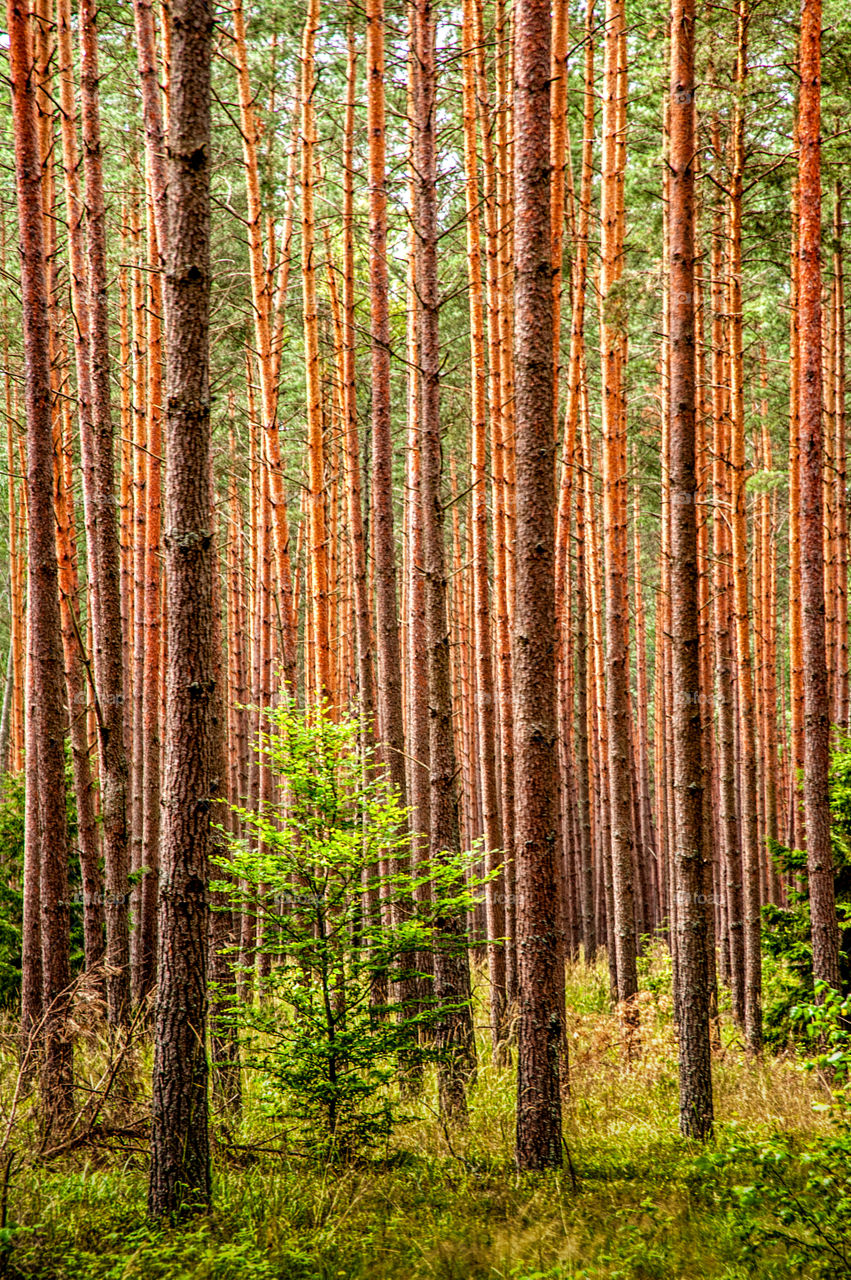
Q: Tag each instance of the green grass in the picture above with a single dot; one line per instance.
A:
(645, 1203)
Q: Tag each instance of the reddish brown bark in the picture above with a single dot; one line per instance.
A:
(816, 710)
(389, 682)
(534, 639)
(108, 655)
(485, 686)
(451, 962)
(689, 775)
(180, 1155)
(45, 696)
(615, 504)
(738, 521)
(842, 706)
(354, 512)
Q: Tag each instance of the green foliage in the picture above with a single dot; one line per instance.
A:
(793, 1203)
(344, 1008)
(824, 1028)
(786, 945)
(642, 1204)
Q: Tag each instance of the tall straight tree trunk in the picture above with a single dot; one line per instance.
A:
(152, 619)
(741, 611)
(843, 684)
(180, 1151)
(571, 477)
(689, 773)
(417, 672)
(109, 657)
(722, 638)
(267, 342)
(485, 700)
(613, 320)
(825, 935)
(354, 511)
(534, 639)
(75, 687)
(451, 961)
(45, 697)
(795, 835)
(389, 682)
(317, 544)
(497, 415)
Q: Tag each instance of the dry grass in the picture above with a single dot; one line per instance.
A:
(443, 1205)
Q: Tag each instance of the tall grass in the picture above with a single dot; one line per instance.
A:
(633, 1202)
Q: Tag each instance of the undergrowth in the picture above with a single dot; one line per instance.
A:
(768, 1198)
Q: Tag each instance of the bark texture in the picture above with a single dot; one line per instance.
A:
(534, 633)
(180, 1150)
(816, 707)
(689, 781)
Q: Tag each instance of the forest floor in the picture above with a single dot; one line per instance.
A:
(769, 1197)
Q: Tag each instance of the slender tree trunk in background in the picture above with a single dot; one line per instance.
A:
(502, 439)
(571, 478)
(558, 159)
(485, 700)
(642, 763)
(417, 670)
(842, 708)
(354, 511)
(224, 1036)
(689, 773)
(583, 777)
(180, 1152)
(136, 640)
(32, 979)
(534, 640)
(741, 612)
(146, 60)
(75, 687)
(496, 412)
(451, 961)
(598, 677)
(317, 544)
(45, 696)
(615, 508)
(77, 256)
(389, 682)
(723, 642)
(768, 524)
(267, 342)
(825, 936)
(109, 664)
(152, 621)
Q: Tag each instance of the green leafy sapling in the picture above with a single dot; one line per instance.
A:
(325, 868)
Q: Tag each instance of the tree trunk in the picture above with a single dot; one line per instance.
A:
(46, 861)
(741, 612)
(689, 774)
(534, 639)
(722, 638)
(105, 564)
(451, 961)
(180, 1153)
(825, 935)
(615, 507)
(389, 683)
(485, 700)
